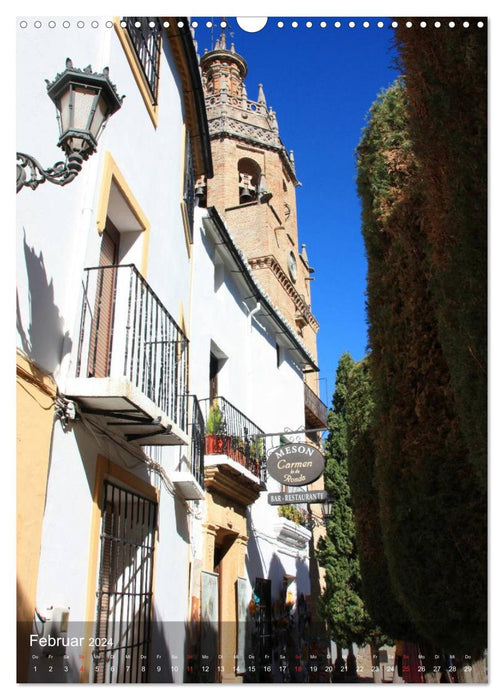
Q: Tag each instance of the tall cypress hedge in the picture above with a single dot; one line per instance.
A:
(431, 494)
(377, 590)
(341, 603)
(445, 76)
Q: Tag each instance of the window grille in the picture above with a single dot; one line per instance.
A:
(124, 596)
(145, 35)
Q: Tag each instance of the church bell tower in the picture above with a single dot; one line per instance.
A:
(254, 189)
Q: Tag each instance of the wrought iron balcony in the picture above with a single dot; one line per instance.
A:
(315, 410)
(189, 479)
(230, 432)
(132, 358)
(197, 443)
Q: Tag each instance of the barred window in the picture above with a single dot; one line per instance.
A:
(124, 595)
(145, 35)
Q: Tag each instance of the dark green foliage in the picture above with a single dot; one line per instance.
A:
(377, 590)
(428, 478)
(341, 604)
(446, 83)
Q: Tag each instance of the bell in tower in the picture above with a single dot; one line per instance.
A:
(247, 189)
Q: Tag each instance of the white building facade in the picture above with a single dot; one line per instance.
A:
(103, 291)
(157, 366)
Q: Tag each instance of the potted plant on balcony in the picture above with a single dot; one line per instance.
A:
(291, 512)
(216, 440)
(237, 450)
(256, 454)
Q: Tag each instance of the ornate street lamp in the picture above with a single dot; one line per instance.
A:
(326, 506)
(327, 509)
(84, 101)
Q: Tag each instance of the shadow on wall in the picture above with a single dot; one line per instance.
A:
(167, 666)
(314, 572)
(44, 340)
(36, 665)
(253, 560)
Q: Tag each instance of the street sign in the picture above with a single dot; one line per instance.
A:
(280, 499)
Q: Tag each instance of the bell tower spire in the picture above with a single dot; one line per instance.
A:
(223, 69)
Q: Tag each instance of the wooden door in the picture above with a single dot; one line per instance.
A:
(103, 318)
(219, 553)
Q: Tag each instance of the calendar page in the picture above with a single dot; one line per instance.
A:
(251, 348)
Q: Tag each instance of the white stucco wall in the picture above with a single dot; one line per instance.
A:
(57, 238)
(271, 396)
(67, 546)
(57, 232)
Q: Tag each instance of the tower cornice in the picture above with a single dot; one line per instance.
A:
(216, 224)
(226, 126)
(270, 262)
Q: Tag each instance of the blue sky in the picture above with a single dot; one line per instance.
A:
(321, 82)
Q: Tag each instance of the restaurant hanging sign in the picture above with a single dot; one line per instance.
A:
(295, 464)
(288, 497)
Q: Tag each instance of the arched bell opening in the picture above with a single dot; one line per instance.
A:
(249, 176)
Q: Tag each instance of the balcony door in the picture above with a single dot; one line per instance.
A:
(103, 316)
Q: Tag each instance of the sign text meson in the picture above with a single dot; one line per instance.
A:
(295, 464)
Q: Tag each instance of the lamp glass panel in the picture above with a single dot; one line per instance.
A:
(82, 105)
(99, 116)
(64, 108)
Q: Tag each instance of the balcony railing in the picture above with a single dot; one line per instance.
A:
(230, 432)
(315, 410)
(197, 443)
(126, 332)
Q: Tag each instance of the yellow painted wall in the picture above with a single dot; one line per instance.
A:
(226, 522)
(35, 393)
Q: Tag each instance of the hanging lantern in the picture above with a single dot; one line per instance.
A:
(84, 101)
